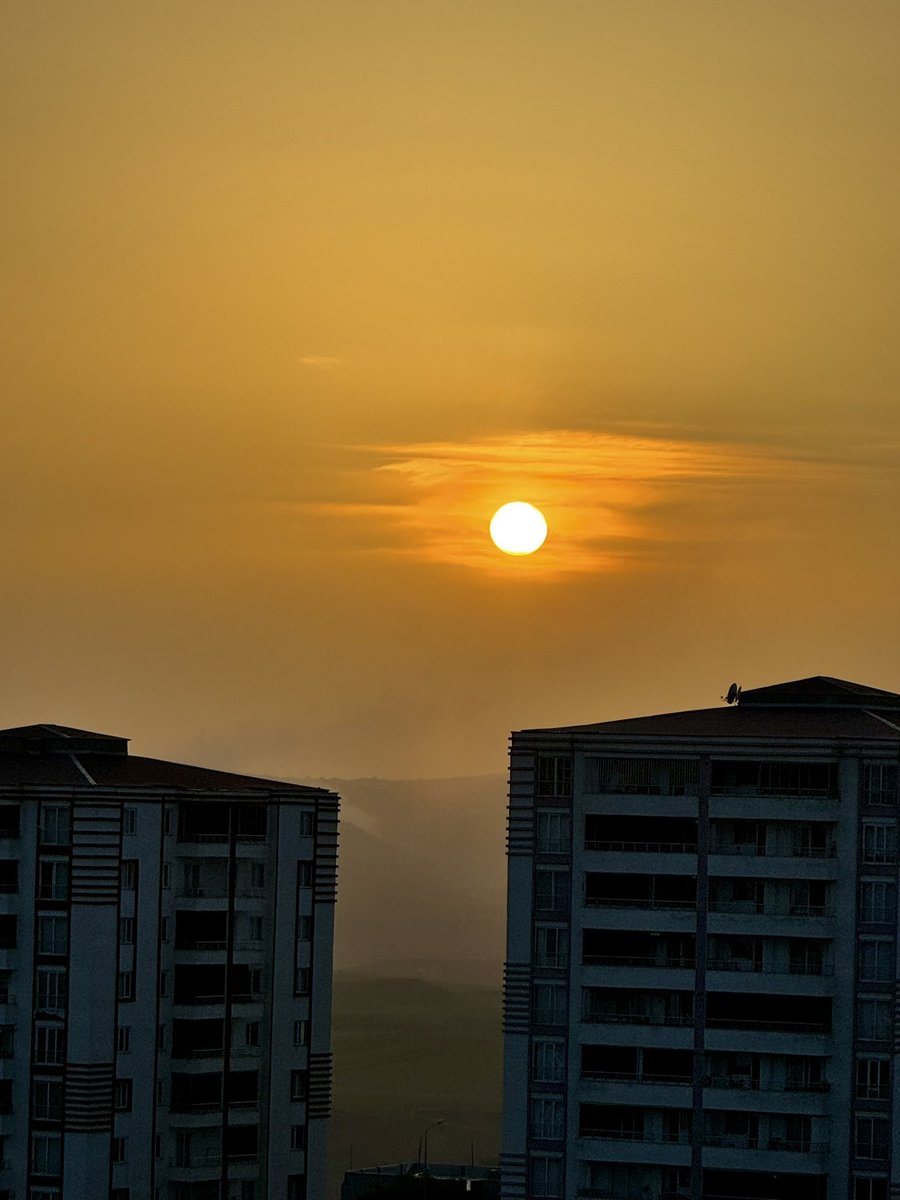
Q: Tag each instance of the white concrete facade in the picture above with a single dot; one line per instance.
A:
(165, 976)
(702, 973)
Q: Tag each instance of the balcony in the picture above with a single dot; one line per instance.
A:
(639, 902)
(623, 960)
(754, 967)
(643, 847)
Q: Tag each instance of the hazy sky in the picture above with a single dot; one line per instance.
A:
(296, 294)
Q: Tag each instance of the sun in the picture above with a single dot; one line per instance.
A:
(518, 528)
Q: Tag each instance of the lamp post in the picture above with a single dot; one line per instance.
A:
(423, 1142)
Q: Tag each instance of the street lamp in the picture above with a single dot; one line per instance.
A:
(423, 1145)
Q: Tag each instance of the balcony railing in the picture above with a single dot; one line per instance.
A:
(595, 1018)
(681, 1138)
(751, 966)
(643, 847)
(743, 1023)
(753, 850)
(197, 944)
(638, 902)
(207, 1158)
(632, 1077)
(756, 909)
(624, 960)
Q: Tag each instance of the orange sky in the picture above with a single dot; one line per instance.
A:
(296, 294)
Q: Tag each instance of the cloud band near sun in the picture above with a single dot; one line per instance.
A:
(613, 500)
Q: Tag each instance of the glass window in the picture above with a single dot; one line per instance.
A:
(51, 989)
(554, 775)
(298, 1085)
(123, 1039)
(551, 890)
(118, 1150)
(874, 1019)
(870, 1188)
(55, 828)
(873, 1079)
(880, 783)
(301, 1033)
(257, 875)
(304, 929)
(122, 1095)
(126, 931)
(53, 879)
(47, 1099)
(129, 874)
(548, 1060)
(876, 960)
(551, 946)
(126, 985)
(52, 933)
(546, 1175)
(45, 1153)
(301, 981)
(304, 874)
(251, 1033)
(305, 823)
(550, 1004)
(49, 1045)
(129, 820)
(554, 833)
(873, 1136)
(877, 901)
(879, 841)
(298, 1137)
(547, 1117)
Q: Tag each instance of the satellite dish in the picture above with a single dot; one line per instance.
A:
(734, 694)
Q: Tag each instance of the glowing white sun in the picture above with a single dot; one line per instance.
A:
(518, 528)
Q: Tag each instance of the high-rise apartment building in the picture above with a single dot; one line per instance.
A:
(165, 976)
(701, 987)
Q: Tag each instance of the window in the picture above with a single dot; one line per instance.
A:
(553, 833)
(876, 960)
(52, 933)
(547, 1117)
(551, 890)
(51, 989)
(169, 819)
(118, 1149)
(550, 1004)
(301, 1033)
(125, 989)
(8, 932)
(120, 1194)
(551, 946)
(879, 841)
(6, 1104)
(873, 1137)
(251, 1033)
(304, 874)
(873, 1017)
(122, 1094)
(55, 829)
(304, 929)
(129, 874)
(123, 1039)
(164, 983)
(129, 820)
(126, 931)
(49, 1045)
(305, 824)
(870, 1188)
(296, 1187)
(873, 1079)
(298, 1085)
(5, 992)
(9, 820)
(301, 981)
(546, 1176)
(877, 902)
(53, 879)
(47, 1099)
(45, 1153)
(256, 928)
(164, 929)
(298, 1137)
(257, 876)
(554, 775)
(548, 1061)
(880, 783)
(191, 877)
(166, 876)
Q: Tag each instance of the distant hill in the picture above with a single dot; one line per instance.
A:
(422, 878)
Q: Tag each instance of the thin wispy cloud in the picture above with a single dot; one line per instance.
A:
(319, 362)
(613, 500)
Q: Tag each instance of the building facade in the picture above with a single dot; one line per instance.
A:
(701, 990)
(165, 976)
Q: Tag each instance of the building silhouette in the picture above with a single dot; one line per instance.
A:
(701, 987)
(165, 976)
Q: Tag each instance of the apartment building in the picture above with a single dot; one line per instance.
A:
(701, 987)
(165, 976)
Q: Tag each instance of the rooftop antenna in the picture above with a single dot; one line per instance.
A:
(734, 694)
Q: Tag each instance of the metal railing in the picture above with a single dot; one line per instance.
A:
(624, 960)
(633, 1019)
(630, 1077)
(642, 847)
(751, 966)
(743, 1023)
(638, 902)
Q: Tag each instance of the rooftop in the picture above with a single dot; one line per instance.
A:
(61, 756)
(819, 707)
